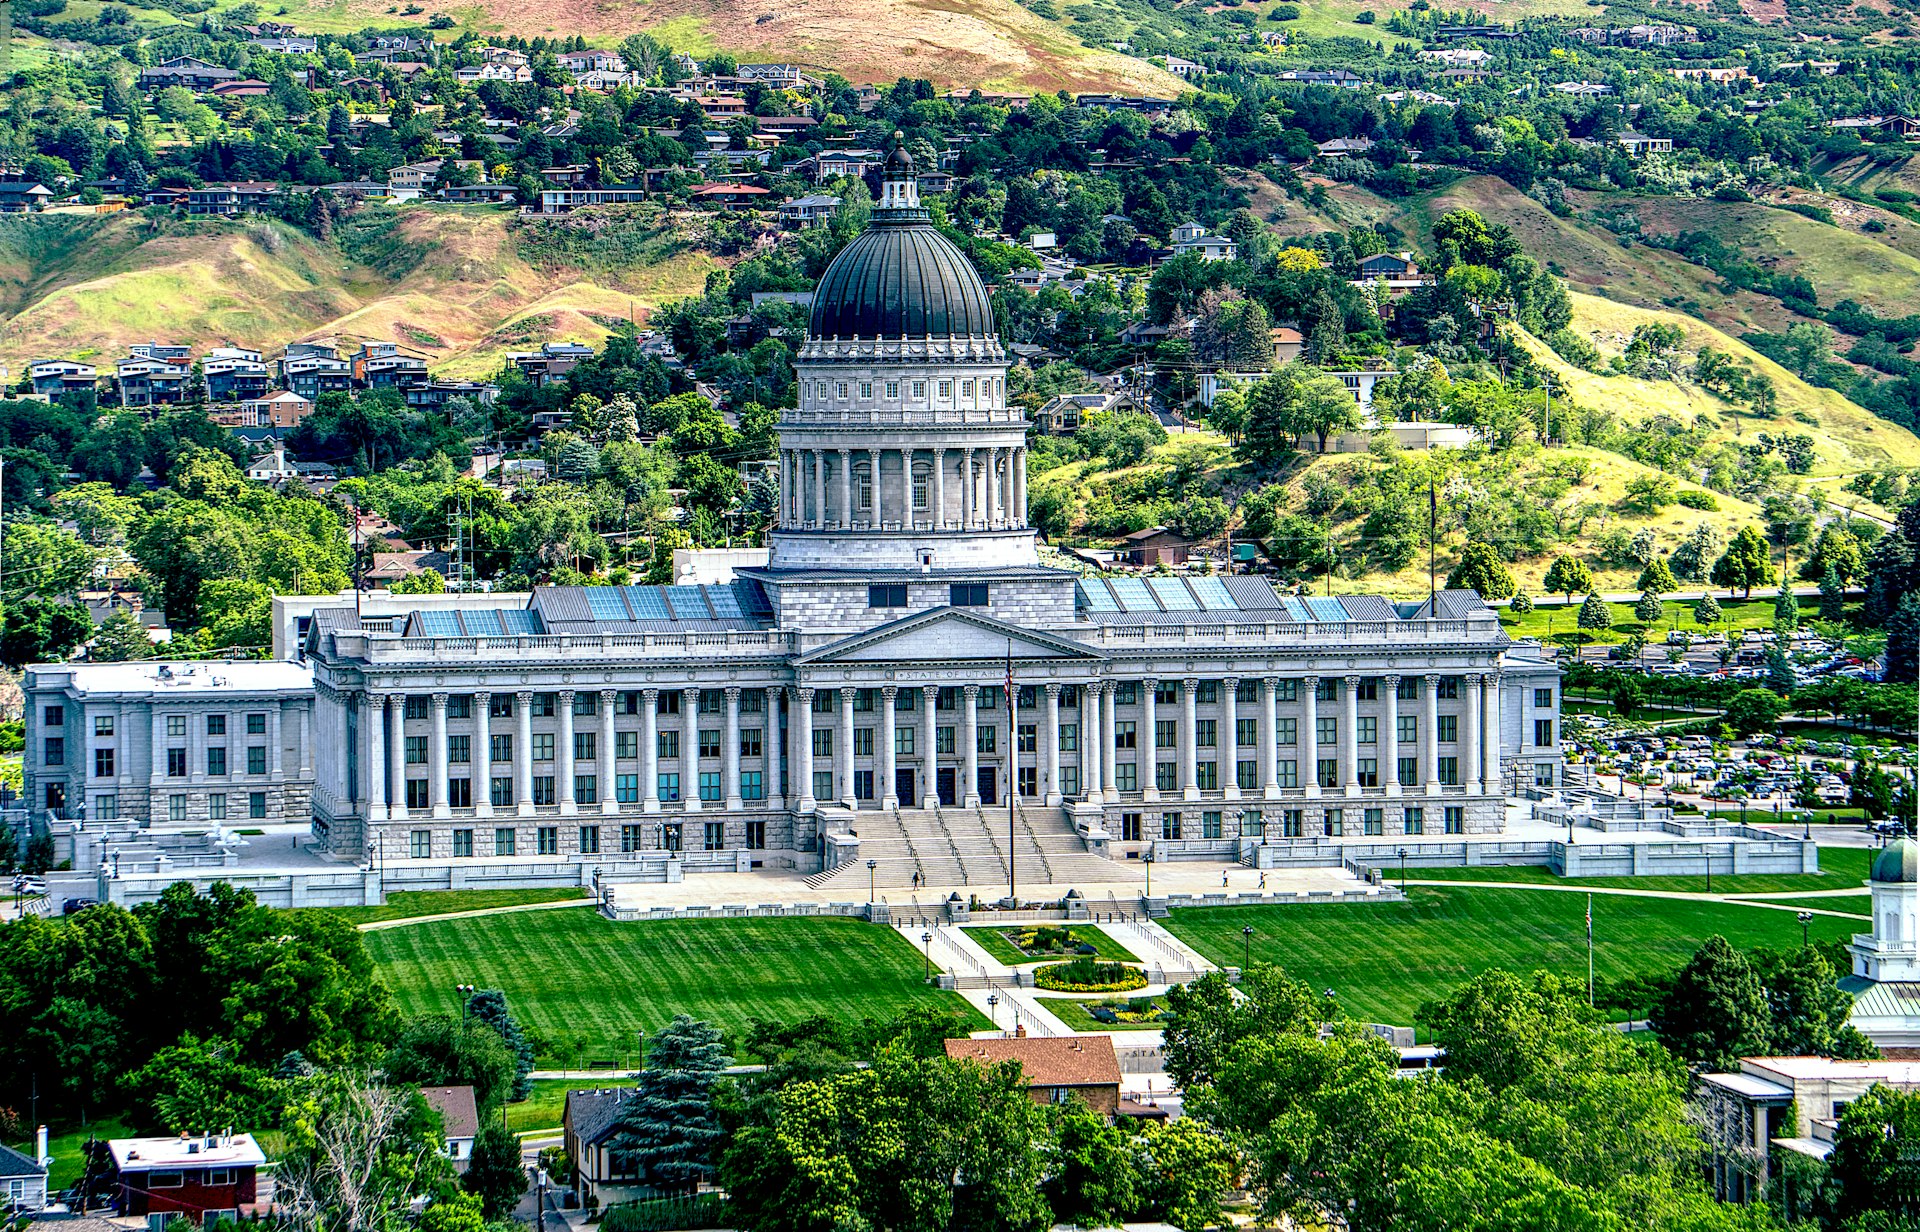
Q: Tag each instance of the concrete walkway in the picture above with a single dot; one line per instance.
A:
(374, 926)
(1733, 900)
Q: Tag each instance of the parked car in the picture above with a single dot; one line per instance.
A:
(78, 904)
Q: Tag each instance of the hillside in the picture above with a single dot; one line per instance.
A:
(992, 44)
(462, 286)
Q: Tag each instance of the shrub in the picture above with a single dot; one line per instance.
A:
(1364, 17)
(1693, 498)
(1086, 975)
(1284, 12)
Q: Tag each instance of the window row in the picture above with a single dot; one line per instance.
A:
(655, 836)
(1292, 823)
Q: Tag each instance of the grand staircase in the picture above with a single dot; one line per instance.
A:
(955, 847)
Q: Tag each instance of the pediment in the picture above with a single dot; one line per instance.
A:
(945, 635)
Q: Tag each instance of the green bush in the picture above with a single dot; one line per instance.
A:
(1086, 975)
(1693, 498)
(1284, 12)
(707, 1210)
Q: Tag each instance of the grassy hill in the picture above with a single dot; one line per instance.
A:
(993, 44)
(462, 285)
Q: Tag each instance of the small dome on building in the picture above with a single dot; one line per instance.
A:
(1898, 862)
(901, 279)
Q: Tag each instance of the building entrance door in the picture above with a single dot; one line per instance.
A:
(988, 780)
(903, 788)
(943, 785)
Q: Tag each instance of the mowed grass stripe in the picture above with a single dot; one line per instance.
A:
(1383, 960)
(574, 975)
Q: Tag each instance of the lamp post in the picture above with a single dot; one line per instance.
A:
(640, 1042)
(1805, 918)
(1403, 870)
(466, 992)
(926, 954)
(871, 865)
(1148, 861)
(993, 1008)
(1246, 949)
(1331, 1001)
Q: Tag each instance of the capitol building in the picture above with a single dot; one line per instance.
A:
(849, 701)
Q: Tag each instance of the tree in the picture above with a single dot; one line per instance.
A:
(1481, 569)
(1521, 605)
(1567, 575)
(1745, 564)
(494, 1173)
(358, 1154)
(1868, 788)
(1871, 1167)
(438, 1050)
(425, 582)
(1595, 614)
(1716, 1012)
(121, 637)
(1903, 639)
(1206, 1018)
(1648, 608)
(1786, 611)
(489, 1007)
(1706, 613)
(669, 1133)
(1649, 493)
(1833, 595)
(1658, 578)
(1326, 406)
(1095, 1180)
(1807, 1007)
(1754, 710)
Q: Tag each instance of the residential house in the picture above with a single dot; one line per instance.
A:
(230, 200)
(1718, 76)
(1458, 57)
(459, 1116)
(154, 376)
(234, 374)
(189, 1175)
(279, 409)
(384, 365)
(391, 567)
(1447, 33)
(1288, 343)
(1784, 1103)
(1581, 89)
(288, 44)
(730, 196)
(1639, 145)
(23, 197)
(474, 74)
(606, 81)
(830, 163)
(504, 55)
(1389, 265)
(1427, 97)
(53, 378)
(810, 211)
(246, 87)
(1064, 414)
(310, 369)
(1344, 147)
(589, 1125)
(479, 194)
(188, 71)
(786, 128)
(776, 76)
(412, 180)
(592, 60)
(434, 395)
(551, 363)
(1057, 1070)
(1186, 70)
(1339, 78)
(1469, 75)
(572, 173)
(23, 1179)
(1190, 238)
(581, 196)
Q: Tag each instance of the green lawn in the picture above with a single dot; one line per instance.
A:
(65, 1145)
(410, 904)
(1074, 1014)
(1858, 904)
(992, 940)
(1549, 616)
(541, 1109)
(1820, 817)
(577, 976)
(1383, 960)
(1841, 868)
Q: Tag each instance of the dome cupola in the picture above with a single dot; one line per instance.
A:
(1897, 862)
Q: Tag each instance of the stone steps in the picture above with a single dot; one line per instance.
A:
(968, 847)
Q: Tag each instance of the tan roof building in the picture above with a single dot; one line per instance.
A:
(1056, 1069)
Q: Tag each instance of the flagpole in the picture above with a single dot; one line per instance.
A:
(1589, 951)
(1013, 784)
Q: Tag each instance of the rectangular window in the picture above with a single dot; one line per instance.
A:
(1286, 731)
(460, 793)
(633, 838)
(503, 840)
(543, 706)
(1447, 728)
(1329, 772)
(1288, 772)
(1206, 733)
(584, 745)
(459, 750)
(1406, 728)
(1246, 691)
(751, 741)
(543, 746)
(1456, 818)
(1449, 687)
(462, 844)
(256, 759)
(257, 805)
(1333, 822)
(1252, 824)
(416, 750)
(1129, 827)
(1166, 693)
(863, 784)
(1170, 825)
(460, 706)
(543, 789)
(753, 785)
(1028, 738)
(1286, 691)
(500, 748)
(1125, 735)
(863, 741)
(626, 745)
(1326, 731)
(946, 389)
(1366, 730)
(903, 741)
(967, 594)
(1413, 821)
(500, 791)
(1069, 737)
(626, 788)
(1028, 779)
(586, 789)
(669, 785)
(216, 807)
(715, 836)
(1206, 692)
(756, 836)
(1126, 776)
(709, 743)
(1206, 775)
(176, 723)
(822, 742)
(103, 763)
(586, 703)
(1374, 822)
(670, 836)
(667, 743)
(710, 786)
(1246, 733)
(866, 389)
(417, 797)
(1246, 775)
(500, 706)
(176, 808)
(106, 806)
(546, 841)
(1367, 770)
(712, 701)
(56, 716)
(103, 725)
(1327, 690)
(1543, 732)
(1543, 698)
(985, 740)
(415, 706)
(1449, 770)
(1126, 693)
(1069, 780)
(1210, 824)
(589, 840)
(176, 763)
(1409, 768)
(1165, 733)
(216, 725)
(823, 784)
(887, 595)
(419, 844)
(216, 761)
(1367, 690)
(943, 740)
(1166, 775)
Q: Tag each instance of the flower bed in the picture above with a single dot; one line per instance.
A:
(1086, 975)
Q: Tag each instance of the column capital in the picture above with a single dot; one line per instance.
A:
(1353, 681)
(1473, 678)
(1392, 681)
(800, 691)
(1231, 682)
(565, 696)
(1495, 679)
(1433, 679)
(732, 692)
(847, 692)
(607, 696)
(971, 691)
(1053, 690)
(440, 701)
(1151, 683)
(1272, 683)
(524, 697)
(930, 691)
(651, 695)
(1191, 684)
(889, 691)
(480, 693)
(1312, 682)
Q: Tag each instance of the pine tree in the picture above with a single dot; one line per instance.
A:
(1833, 595)
(489, 1006)
(1595, 614)
(1648, 609)
(1706, 613)
(1786, 611)
(669, 1133)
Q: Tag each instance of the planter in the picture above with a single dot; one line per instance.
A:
(1085, 975)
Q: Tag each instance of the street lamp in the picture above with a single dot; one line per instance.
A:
(1403, 870)
(926, 954)
(993, 1007)
(871, 865)
(1246, 949)
(1148, 861)
(640, 1037)
(466, 992)
(1805, 918)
